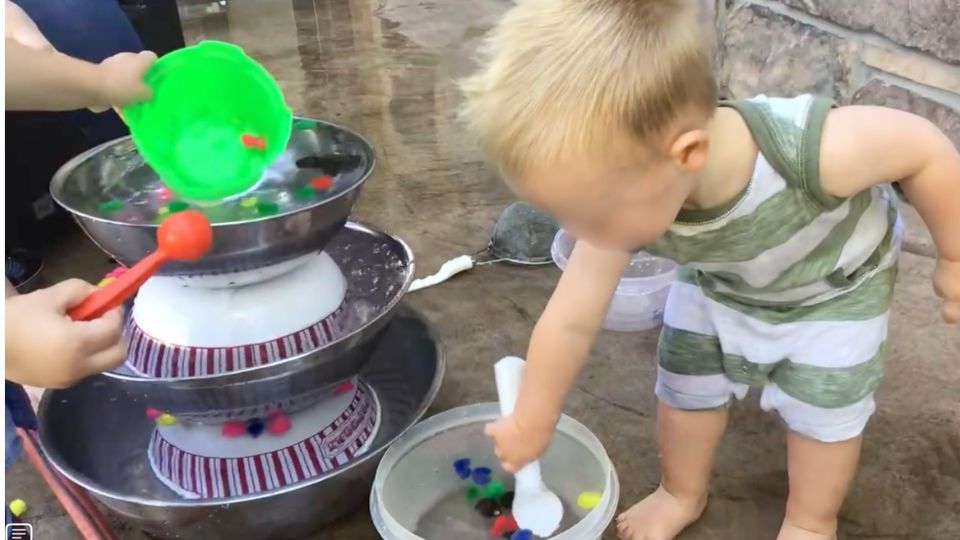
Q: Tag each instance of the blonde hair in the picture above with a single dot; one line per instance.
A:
(563, 78)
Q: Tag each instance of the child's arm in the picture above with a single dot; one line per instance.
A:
(43, 79)
(866, 146)
(558, 348)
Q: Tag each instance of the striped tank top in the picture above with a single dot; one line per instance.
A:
(784, 242)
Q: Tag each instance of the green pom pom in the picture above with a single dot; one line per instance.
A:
(303, 193)
(473, 493)
(493, 490)
(110, 206)
(301, 123)
(267, 208)
(177, 206)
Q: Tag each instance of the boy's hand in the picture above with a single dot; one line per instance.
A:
(44, 347)
(122, 80)
(946, 283)
(514, 444)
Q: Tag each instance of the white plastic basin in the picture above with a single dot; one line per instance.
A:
(642, 293)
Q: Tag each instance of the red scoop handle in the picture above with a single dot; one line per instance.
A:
(118, 290)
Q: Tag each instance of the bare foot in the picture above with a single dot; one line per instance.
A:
(660, 516)
(790, 531)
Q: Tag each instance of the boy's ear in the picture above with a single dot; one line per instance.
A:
(689, 150)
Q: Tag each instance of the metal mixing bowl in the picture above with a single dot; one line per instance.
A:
(96, 436)
(378, 268)
(115, 173)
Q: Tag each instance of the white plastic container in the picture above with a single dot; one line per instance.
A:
(416, 475)
(642, 293)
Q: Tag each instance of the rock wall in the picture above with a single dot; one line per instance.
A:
(903, 54)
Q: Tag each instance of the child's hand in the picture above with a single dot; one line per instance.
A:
(122, 80)
(21, 28)
(44, 347)
(515, 445)
(946, 283)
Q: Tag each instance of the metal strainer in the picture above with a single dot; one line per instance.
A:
(522, 235)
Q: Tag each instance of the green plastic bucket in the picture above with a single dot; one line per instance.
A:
(216, 120)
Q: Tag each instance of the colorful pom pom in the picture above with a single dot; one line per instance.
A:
(278, 423)
(488, 508)
(255, 427)
(507, 500)
(177, 206)
(166, 419)
(109, 207)
(462, 468)
(267, 208)
(234, 428)
(522, 534)
(252, 141)
(303, 193)
(481, 475)
(588, 499)
(343, 388)
(321, 182)
(153, 413)
(18, 507)
(503, 524)
(494, 489)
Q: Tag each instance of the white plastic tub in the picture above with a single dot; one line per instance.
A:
(642, 293)
(416, 476)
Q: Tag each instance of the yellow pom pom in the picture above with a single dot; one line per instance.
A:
(166, 419)
(163, 211)
(588, 499)
(18, 507)
(248, 202)
(105, 281)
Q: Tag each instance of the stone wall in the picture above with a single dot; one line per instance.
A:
(903, 54)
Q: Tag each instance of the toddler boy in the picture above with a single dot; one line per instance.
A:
(780, 211)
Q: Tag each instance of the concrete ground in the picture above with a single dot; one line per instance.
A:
(387, 68)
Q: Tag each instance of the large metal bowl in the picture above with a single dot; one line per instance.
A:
(378, 267)
(96, 436)
(115, 172)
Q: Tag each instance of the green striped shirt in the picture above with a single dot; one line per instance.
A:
(784, 241)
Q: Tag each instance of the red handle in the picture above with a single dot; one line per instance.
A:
(115, 293)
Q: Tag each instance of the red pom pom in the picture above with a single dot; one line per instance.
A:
(278, 423)
(234, 428)
(343, 388)
(252, 141)
(153, 413)
(321, 182)
(503, 524)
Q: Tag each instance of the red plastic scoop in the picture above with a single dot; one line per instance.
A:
(183, 236)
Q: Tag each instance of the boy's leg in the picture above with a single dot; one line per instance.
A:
(820, 476)
(693, 392)
(686, 441)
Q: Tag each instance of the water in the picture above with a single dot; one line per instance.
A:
(453, 517)
(117, 185)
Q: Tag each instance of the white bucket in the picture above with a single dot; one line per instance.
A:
(416, 472)
(642, 293)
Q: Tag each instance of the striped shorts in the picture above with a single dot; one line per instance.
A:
(818, 365)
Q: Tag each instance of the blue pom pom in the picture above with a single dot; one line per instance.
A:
(462, 468)
(481, 475)
(522, 534)
(255, 427)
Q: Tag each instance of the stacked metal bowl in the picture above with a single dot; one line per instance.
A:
(96, 433)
